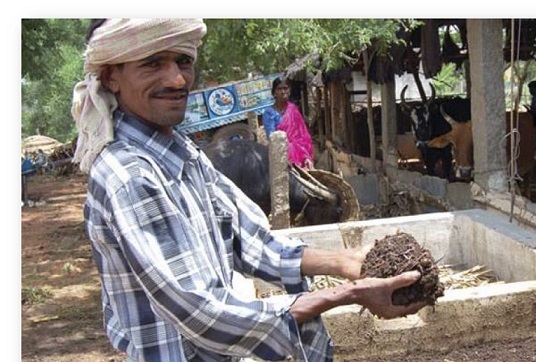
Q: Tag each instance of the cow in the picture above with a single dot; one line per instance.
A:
(461, 138)
(409, 157)
(246, 163)
(428, 123)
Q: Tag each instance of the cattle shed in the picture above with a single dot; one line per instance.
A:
(364, 145)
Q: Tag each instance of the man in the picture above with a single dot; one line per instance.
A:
(168, 231)
(42, 162)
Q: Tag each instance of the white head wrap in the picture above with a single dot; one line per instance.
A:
(119, 41)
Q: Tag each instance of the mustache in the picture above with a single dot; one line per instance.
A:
(166, 92)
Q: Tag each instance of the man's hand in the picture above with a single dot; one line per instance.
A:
(308, 164)
(375, 294)
(345, 263)
(352, 260)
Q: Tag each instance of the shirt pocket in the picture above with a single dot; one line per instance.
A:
(225, 225)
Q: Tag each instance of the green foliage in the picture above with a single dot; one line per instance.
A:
(52, 63)
(234, 47)
(52, 59)
(516, 79)
(41, 40)
(230, 51)
(47, 102)
(35, 47)
(448, 80)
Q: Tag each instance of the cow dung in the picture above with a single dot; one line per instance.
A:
(395, 254)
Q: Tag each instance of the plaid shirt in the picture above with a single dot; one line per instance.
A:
(167, 232)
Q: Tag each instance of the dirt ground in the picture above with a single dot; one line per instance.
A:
(61, 319)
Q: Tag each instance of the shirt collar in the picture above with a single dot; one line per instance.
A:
(171, 152)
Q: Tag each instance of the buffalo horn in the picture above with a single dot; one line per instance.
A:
(315, 190)
(448, 118)
(304, 173)
(432, 95)
(403, 97)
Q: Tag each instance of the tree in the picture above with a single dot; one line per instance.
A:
(52, 56)
(41, 40)
(51, 64)
(235, 47)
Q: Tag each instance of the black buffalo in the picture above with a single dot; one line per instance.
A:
(429, 123)
(246, 163)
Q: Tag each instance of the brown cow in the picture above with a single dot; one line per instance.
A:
(462, 141)
(409, 156)
(407, 151)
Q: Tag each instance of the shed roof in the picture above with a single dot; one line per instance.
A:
(33, 143)
(424, 44)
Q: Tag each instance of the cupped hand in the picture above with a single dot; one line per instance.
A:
(378, 295)
(353, 260)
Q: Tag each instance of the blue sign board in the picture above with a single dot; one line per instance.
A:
(227, 103)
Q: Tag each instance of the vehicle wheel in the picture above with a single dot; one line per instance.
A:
(234, 131)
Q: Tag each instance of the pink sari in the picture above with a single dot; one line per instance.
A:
(300, 145)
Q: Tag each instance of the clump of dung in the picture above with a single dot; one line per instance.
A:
(395, 254)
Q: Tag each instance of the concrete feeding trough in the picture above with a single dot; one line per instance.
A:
(462, 317)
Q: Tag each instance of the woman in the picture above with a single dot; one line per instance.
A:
(285, 116)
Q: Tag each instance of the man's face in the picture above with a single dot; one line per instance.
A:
(155, 89)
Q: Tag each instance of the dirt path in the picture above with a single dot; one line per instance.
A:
(56, 258)
(61, 319)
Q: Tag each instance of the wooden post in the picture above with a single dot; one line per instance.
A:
(25, 189)
(352, 127)
(327, 111)
(253, 123)
(389, 124)
(370, 116)
(279, 180)
(335, 111)
(345, 118)
(321, 119)
(305, 100)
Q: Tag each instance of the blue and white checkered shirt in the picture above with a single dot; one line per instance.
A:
(167, 232)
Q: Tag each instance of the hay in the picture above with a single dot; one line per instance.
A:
(33, 143)
(473, 277)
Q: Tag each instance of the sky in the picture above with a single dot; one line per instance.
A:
(206, 9)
